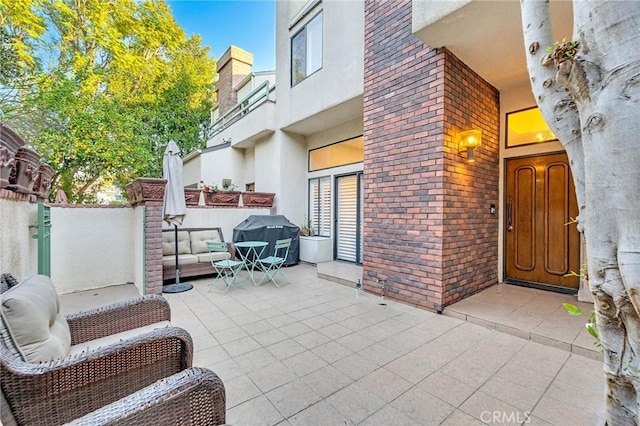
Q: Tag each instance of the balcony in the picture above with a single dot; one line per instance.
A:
(257, 113)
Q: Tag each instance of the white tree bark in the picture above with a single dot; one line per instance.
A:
(597, 119)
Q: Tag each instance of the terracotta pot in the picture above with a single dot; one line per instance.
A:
(258, 199)
(23, 176)
(222, 198)
(42, 187)
(10, 142)
(192, 196)
(146, 189)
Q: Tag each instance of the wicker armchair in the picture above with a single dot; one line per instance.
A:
(61, 390)
(195, 396)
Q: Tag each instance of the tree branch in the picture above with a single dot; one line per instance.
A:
(557, 108)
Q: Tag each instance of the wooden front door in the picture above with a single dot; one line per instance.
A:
(541, 247)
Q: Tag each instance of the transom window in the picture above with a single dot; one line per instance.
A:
(306, 50)
(338, 154)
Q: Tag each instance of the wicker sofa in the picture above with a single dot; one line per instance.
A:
(99, 363)
(193, 257)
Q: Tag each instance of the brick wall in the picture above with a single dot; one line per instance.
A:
(153, 247)
(234, 65)
(413, 228)
(470, 247)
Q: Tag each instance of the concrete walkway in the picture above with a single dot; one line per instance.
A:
(316, 353)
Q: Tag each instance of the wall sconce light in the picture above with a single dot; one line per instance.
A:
(468, 141)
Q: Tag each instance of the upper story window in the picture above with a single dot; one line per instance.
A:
(306, 50)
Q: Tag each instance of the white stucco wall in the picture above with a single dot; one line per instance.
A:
(342, 74)
(92, 247)
(225, 218)
(192, 170)
(18, 251)
(224, 163)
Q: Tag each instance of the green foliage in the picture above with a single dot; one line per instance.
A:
(563, 50)
(590, 324)
(102, 87)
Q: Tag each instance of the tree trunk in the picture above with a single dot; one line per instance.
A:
(597, 118)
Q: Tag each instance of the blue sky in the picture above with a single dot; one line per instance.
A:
(248, 24)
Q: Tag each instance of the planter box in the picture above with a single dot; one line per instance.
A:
(23, 176)
(10, 142)
(222, 198)
(316, 249)
(146, 189)
(192, 196)
(257, 199)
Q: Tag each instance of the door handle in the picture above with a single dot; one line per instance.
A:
(509, 216)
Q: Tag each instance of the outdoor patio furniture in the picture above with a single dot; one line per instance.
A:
(227, 269)
(55, 369)
(195, 396)
(250, 252)
(271, 265)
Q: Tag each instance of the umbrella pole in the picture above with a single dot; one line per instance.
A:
(175, 228)
(177, 287)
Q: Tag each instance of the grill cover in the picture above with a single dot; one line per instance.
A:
(270, 228)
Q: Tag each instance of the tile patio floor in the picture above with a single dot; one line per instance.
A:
(315, 353)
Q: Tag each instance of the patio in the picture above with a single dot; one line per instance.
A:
(316, 352)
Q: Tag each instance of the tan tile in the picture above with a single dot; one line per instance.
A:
(388, 415)
(516, 394)
(378, 354)
(241, 346)
(312, 339)
(255, 359)
(293, 397)
(458, 418)
(561, 413)
(327, 380)
(210, 356)
(355, 366)
(286, 349)
(331, 352)
(422, 406)
(271, 376)
(239, 390)
(447, 388)
(320, 414)
(547, 341)
(256, 327)
(270, 337)
(335, 331)
(355, 402)
(295, 329)
(257, 411)
(304, 363)
(354, 341)
(488, 409)
(385, 384)
(229, 335)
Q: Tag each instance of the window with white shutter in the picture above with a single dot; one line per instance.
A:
(306, 50)
(320, 205)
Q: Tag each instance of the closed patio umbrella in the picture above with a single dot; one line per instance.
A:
(174, 208)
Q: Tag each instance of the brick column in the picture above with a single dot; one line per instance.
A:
(149, 193)
(421, 223)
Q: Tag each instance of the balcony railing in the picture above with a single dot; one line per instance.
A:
(257, 97)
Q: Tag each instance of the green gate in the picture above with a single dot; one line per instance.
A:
(44, 239)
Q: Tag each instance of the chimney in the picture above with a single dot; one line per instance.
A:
(234, 65)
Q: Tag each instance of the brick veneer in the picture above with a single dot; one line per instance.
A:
(428, 234)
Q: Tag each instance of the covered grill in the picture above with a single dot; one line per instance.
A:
(270, 228)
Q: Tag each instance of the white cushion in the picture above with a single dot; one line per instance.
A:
(31, 313)
(115, 338)
(183, 259)
(206, 257)
(169, 243)
(199, 239)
